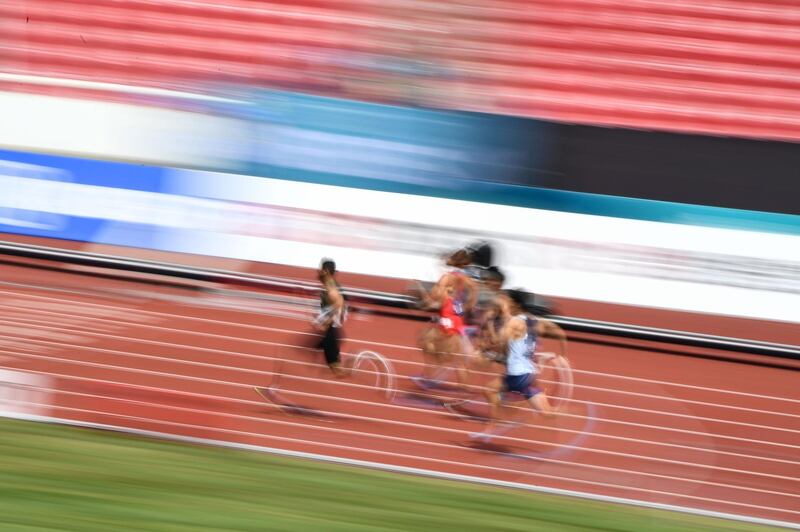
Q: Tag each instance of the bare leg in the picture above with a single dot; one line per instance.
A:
(542, 404)
(452, 354)
(429, 345)
(492, 393)
(469, 358)
(447, 355)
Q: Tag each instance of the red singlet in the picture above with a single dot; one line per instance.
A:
(449, 320)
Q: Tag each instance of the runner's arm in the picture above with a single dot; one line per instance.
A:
(439, 290)
(499, 308)
(548, 329)
(490, 333)
(335, 296)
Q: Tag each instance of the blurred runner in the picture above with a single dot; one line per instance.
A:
(519, 336)
(491, 314)
(329, 322)
(444, 342)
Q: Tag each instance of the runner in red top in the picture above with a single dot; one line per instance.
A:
(454, 295)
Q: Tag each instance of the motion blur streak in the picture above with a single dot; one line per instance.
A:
(632, 162)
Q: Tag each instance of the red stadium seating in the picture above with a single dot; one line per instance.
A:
(727, 67)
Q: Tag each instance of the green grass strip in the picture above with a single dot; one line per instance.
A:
(63, 478)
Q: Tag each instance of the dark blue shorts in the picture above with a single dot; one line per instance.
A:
(524, 385)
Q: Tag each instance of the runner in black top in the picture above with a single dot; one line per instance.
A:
(329, 321)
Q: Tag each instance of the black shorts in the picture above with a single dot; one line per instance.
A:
(330, 345)
(524, 385)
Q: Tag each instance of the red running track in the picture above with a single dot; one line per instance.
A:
(644, 424)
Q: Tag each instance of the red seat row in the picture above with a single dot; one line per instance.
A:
(728, 67)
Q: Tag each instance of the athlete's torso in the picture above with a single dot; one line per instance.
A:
(327, 310)
(458, 298)
(519, 360)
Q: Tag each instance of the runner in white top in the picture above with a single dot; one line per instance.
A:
(519, 335)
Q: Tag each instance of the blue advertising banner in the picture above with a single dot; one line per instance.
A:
(385, 147)
(445, 154)
(682, 265)
(74, 199)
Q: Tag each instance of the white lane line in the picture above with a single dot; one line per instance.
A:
(417, 411)
(361, 435)
(35, 321)
(197, 348)
(368, 342)
(240, 385)
(687, 386)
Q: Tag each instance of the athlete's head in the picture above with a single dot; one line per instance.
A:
(493, 278)
(519, 300)
(459, 259)
(481, 253)
(327, 268)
